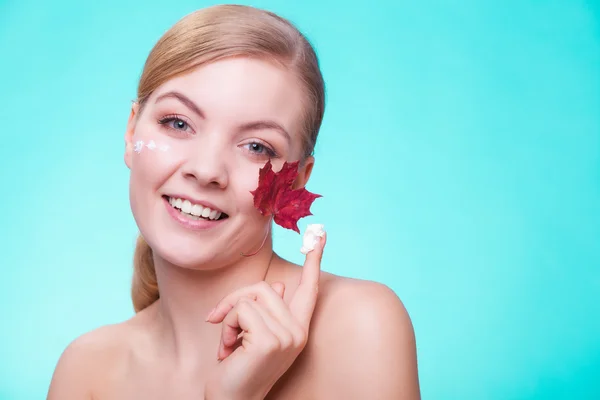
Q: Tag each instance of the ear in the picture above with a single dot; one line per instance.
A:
(304, 172)
(129, 132)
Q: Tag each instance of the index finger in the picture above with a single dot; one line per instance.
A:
(303, 303)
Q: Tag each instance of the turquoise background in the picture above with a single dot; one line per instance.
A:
(463, 136)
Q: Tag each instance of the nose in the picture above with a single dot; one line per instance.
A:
(206, 164)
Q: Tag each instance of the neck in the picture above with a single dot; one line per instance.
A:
(188, 295)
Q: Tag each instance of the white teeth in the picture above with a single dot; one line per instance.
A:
(194, 211)
(186, 207)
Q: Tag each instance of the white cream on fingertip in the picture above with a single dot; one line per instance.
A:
(311, 237)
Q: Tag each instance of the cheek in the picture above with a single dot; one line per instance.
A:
(245, 180)
(154, 160)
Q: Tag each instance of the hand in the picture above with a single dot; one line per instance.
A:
(261, 334)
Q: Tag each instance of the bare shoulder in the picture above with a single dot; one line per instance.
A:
(362, 295)
(89, 360)
(355, 305)
(363, 328)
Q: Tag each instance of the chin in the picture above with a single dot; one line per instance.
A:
(189, 254)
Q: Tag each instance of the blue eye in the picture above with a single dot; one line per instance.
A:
(174, 122)
(260, 149)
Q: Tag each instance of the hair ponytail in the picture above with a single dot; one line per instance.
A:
(144, 288)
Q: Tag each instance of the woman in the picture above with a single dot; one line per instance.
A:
(227, 91)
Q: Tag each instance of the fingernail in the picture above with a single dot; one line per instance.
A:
(210, 314)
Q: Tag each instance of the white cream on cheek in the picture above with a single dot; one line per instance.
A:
(139, 145)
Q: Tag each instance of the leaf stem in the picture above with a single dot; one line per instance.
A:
(263, 242)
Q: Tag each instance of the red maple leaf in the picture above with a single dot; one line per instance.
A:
(275, 196)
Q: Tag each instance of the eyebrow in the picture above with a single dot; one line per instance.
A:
(259, 125)
(250, 126)
(184, 99)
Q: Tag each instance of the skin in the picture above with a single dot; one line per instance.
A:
(307, 334)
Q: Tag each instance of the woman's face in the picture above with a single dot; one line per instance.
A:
(194, 153)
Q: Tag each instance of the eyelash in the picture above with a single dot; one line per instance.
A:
(174, 117)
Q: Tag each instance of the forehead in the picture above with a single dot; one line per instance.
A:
(241, 90)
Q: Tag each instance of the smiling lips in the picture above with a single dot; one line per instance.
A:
(195, 211)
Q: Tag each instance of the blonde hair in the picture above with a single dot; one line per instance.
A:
(215, 33)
